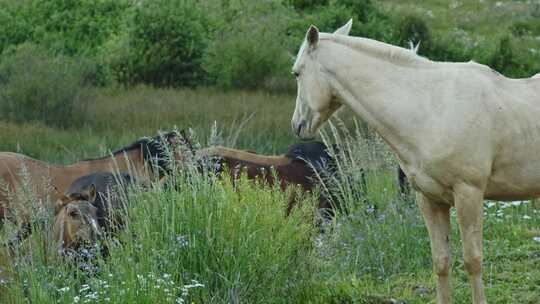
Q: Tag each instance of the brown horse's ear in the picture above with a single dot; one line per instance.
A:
(92, 193)
(60, 203)
(172, 140)
(57, 191)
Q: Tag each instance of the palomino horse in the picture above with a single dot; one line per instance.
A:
(291, 169)
(90, 208)
(461, 131)
(16, 169)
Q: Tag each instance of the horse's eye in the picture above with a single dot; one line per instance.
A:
(296, 74)
(73, 214)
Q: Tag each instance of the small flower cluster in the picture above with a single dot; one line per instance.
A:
(164, 285)
(499, 211)
(96, 291)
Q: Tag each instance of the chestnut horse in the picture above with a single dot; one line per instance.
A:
(51, 181)
(91, 207)
(299, 166)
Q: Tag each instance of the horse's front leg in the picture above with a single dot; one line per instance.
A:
(437, 218)
(469, 204)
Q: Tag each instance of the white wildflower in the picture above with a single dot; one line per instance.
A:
(64, 289)
(84, 287)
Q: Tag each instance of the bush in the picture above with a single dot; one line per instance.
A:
(163, 46)
(362, 9)
(250, 48)
(414, 29)
(301, 5)
(526, 27)
(15, 28)
(35, 86)
(67, 27)
(504, 60)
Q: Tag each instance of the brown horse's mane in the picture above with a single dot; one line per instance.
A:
(262, 160)
(153, 149)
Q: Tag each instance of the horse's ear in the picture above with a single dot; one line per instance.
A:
(344, 30)
(172, 139)
(312, 36)
(92, 193)
(60, 203)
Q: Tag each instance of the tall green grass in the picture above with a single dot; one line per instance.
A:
(117, 117)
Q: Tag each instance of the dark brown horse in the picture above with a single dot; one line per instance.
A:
(299, 166)
(144, 158)
(92, 207)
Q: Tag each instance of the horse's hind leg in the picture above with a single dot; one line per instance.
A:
(469, 204)
(437, 218)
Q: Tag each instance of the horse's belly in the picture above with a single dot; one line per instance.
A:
(515, 183)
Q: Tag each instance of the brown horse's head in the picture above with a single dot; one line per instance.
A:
(76, 220)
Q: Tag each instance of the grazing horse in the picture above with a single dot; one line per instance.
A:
(462, 132)
(299, 166)
(91, 207)
(50, 181)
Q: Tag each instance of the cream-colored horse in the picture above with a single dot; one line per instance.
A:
(461, 131)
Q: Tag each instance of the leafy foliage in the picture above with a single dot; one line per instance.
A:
(36, 86)
(247, 46)
(236, 43)
(164, 44)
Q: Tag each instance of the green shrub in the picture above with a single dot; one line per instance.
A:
(363, 10)
(164, 44)
(67, 27)
(414, 29)
(526, 27)
(15, 28)
(35, 86)
(504, 59)
(251, 47)
(302, 5)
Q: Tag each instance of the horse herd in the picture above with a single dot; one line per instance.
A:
(88, 197)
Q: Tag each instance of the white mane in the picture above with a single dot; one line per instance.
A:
(378, 49)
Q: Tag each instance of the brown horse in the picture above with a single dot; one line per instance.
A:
(299, 166)
(143, 157)
(92, 207)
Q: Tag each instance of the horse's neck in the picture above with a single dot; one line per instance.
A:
(244, 156)
(383, 94)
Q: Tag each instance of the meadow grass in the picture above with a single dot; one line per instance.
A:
(202, 242)
(117, 117)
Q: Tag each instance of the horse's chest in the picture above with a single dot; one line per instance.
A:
(423, 182)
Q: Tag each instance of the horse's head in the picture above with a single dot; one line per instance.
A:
(76, 219)
(316, 100)
(316, 153)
